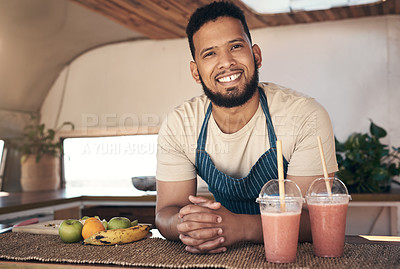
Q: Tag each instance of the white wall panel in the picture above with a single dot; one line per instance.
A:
(351, 67)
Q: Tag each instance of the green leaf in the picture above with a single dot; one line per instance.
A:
(51, 134)
(380, 174)
(339, 159)
(377, 131)
(393, 170)
(40, 129)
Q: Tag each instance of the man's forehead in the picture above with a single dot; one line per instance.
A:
(222, 30)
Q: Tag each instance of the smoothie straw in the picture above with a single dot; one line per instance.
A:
(321, 152)
(281, 175)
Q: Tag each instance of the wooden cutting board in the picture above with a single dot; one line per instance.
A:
(46, 227)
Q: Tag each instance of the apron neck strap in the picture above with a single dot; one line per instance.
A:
(264, 106)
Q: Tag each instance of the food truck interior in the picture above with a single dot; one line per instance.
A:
(114, 69)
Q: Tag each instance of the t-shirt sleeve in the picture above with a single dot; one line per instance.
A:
(173, 163)
(306, 160)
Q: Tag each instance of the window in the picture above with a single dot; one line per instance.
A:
(2, 162)
(1, 151)
(108, 162)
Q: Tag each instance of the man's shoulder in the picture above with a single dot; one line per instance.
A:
(286, 100)
(194, 106)
(273, 90)
(187, 114)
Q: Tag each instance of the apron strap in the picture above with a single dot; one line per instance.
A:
(270, 127)
(201, 142)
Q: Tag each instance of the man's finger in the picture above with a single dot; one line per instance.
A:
(202, 233)
(211, 246)
(213, 251)
(198, 209)
(187, 240)
(199, 217)
(204, 202)
(189, 226)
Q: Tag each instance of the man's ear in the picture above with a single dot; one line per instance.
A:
(195, 71)
(257, 55)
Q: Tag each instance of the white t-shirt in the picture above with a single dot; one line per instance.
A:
(297, 121)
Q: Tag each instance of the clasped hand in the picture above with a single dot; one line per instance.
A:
(204, 226)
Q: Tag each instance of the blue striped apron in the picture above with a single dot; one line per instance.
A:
(239, 195)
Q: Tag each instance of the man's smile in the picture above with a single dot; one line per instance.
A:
(229, 78)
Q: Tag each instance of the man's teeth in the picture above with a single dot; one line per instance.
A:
(229, 78)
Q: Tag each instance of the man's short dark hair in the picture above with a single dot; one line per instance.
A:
(212, 12)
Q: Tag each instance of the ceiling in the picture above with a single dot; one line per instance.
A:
(163, 19)
(38, 38)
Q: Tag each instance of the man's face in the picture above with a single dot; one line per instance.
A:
(226, 64)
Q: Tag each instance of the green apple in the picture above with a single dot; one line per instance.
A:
(105, 224)
(119, 223)
(70, 231)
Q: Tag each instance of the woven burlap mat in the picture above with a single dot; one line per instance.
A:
(157, 252)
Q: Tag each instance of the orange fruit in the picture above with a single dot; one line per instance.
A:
(91, 226)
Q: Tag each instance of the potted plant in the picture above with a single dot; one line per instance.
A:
(365, 164)
(39, 162)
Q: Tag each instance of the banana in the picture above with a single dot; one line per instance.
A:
(118, 236)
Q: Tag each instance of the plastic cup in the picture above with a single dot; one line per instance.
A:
(328, 216)
(280, 227)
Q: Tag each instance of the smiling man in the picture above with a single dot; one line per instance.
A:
(227, 136)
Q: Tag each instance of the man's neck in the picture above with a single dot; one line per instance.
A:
(231, 120)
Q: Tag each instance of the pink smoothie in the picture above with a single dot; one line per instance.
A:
(281, 233)
(328, 225)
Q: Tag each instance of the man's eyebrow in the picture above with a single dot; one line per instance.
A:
(229, 42)
(206, 49)
(237, 40)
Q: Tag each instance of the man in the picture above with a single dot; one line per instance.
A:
(228, 137)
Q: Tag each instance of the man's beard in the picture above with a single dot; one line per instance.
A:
(233, 101)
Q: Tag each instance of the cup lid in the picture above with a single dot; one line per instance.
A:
(319, 187)
(270, 191)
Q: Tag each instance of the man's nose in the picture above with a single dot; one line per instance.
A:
(226, 60)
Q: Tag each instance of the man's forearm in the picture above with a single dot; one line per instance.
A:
(166, 221)
(252, 228)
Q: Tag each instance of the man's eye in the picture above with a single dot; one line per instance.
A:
(208, 54)
(236, 46)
